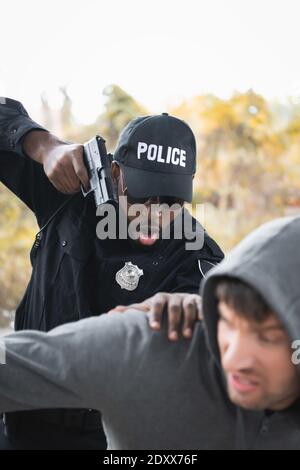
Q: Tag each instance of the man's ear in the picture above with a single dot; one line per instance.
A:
(115, 172)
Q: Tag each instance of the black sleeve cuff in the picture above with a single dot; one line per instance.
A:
(18, 132)
(15, 123)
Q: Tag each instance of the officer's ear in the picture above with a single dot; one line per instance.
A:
(115, 172)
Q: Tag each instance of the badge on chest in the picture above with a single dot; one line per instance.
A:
(128, 277)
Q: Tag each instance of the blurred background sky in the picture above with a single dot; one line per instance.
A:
(160, 51)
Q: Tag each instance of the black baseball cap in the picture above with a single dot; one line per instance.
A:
(158, 157)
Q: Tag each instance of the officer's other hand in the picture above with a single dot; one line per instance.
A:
(183, 311)
(64, 166)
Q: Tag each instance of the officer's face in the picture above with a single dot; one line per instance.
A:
(153, 219)
(257, 361)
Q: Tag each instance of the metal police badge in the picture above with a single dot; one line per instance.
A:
(128, 277)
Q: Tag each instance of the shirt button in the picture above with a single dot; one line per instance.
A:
(13, 131)
(155, 263)
(64, 243)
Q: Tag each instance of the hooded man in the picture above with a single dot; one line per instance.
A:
(235, 384)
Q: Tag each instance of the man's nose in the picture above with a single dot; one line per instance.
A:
(153, 200)
(239, 353)
(153, 206)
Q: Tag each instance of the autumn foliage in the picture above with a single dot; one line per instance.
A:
(248, 169)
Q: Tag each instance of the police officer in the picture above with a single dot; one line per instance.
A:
(74, 273)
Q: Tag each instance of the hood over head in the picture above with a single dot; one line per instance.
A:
(268, 260)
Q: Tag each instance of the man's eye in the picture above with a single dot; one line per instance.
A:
(270, 339)
(224, 321)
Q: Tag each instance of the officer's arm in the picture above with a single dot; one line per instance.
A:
(62, 161)
(32, 161)
(86, 364)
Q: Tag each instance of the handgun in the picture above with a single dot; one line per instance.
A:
(98, 165)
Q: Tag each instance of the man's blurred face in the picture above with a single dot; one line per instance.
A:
(257, 361)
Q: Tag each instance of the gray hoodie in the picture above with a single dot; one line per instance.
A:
(154, 394)
(269, 260)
